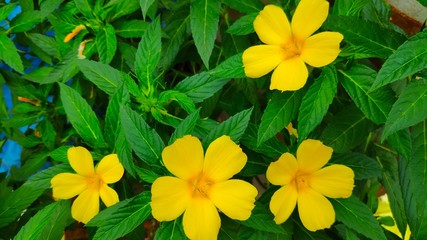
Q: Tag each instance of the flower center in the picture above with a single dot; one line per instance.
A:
(200, 186)
(291, 49)
(94, 182)
(302, 181)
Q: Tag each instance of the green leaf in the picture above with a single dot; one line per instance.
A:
(45, 43)
(346, 130)
(48, 6)
(201, 86)
(146, 175)
(234, 127)
(106, 43)
(144, 140)
(348, 8)
(84, 7)
(204, 18)
(408, 59)
(9, 54)
(363, 166)
(232, 67)
(409, 109)
(105, 77)
(148, 56)
(126, 218)
(261, 219)
(301, 232)
(243, 26)
(171, 230)
(132, 28)
(357, 216)
(48, 223)
(185, 127)
(281, 109)
(81, 116)
(145, 5)
(25, 21)
(47, 132)
(375, 105)
(124, 151)
(401, 142)
(183, 100)
(316, 101)
(272, 148)
(62, 72)
(6, 10)
(60, 154)
(248, 6)
(112, 120)
(367, 35)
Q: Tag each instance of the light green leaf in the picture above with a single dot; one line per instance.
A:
(45, 43)
(183, 100)
(124, 151)
(81, 116)
(132, 28)
(48, 6)
(409, 109)
(84, 7)
(49, 223)
(248, 6)
(204, 18)
(357, 216)
(126, 218)
(281, 109)
(200, 86)
(106, 43)
(363, 166)
(234, 127)
(112, 119)
(272, 148)
(9, 54)
(261, 219)
(408, 59)
(348, 8)
(62, 72)
(60, 154)
(375, 105)
(6, 10)
(243, 26)
(171, 230)
(144, 140)
(232, 67)
(146, 175)
(148, 56)
(185, 127)
(346, 130)
(367, 35)
(105, 77)
(145, 5)
(25, 21)
(316, 101)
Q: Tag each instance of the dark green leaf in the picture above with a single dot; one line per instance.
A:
(244, 25)
(232, 67)
(48, 6)
(60, 154)
(281, 109)
(346, 130)
(145, 5)
(348, 8)
(9, 54)
(102, 75)
(185, 127)
(248, 6)
(302, 233)
(47, 132)
(363, 166)
(316, 102)
(6, 10)
(112, 123)
(146, 175)
(183, 100)
(126, 218)
(234, 127)
(171, 230)
(25, 21)
(204, 17)
(81, 116)
(408, 59)
(144, 140)
(272, 148)
(132, 28)
(401, 142)
(106, 43)
(63, 71)
(124, 152)
(45, 43)
(409, 109)
(84, 7)
(357, 216)
(201, 86)
(261, 219)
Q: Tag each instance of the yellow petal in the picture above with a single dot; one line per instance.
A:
(290, 75)
(81, 161)
(321, 49)
(108, 195)
(262, 59)
(282, 171)
(308, 17)
(184, 158)
(315, 211)
(86, 206)
(201, 220)
(335, 181)
(110, 169)
(223, 159)
(272, 26)
(313, 155)
(170, 197)
(235, 198)
(67, 185)
(283, 202)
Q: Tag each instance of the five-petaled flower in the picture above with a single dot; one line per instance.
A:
(305, 183)
(289, 46)
(202, 184)
(89, 183)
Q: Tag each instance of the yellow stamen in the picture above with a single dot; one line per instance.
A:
(82, 48)
(32, 101)
(73, 33)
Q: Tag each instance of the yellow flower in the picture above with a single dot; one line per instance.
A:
(202, 185)
(384, 210)
(89, 183)
(305, 183)
(289, 46)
